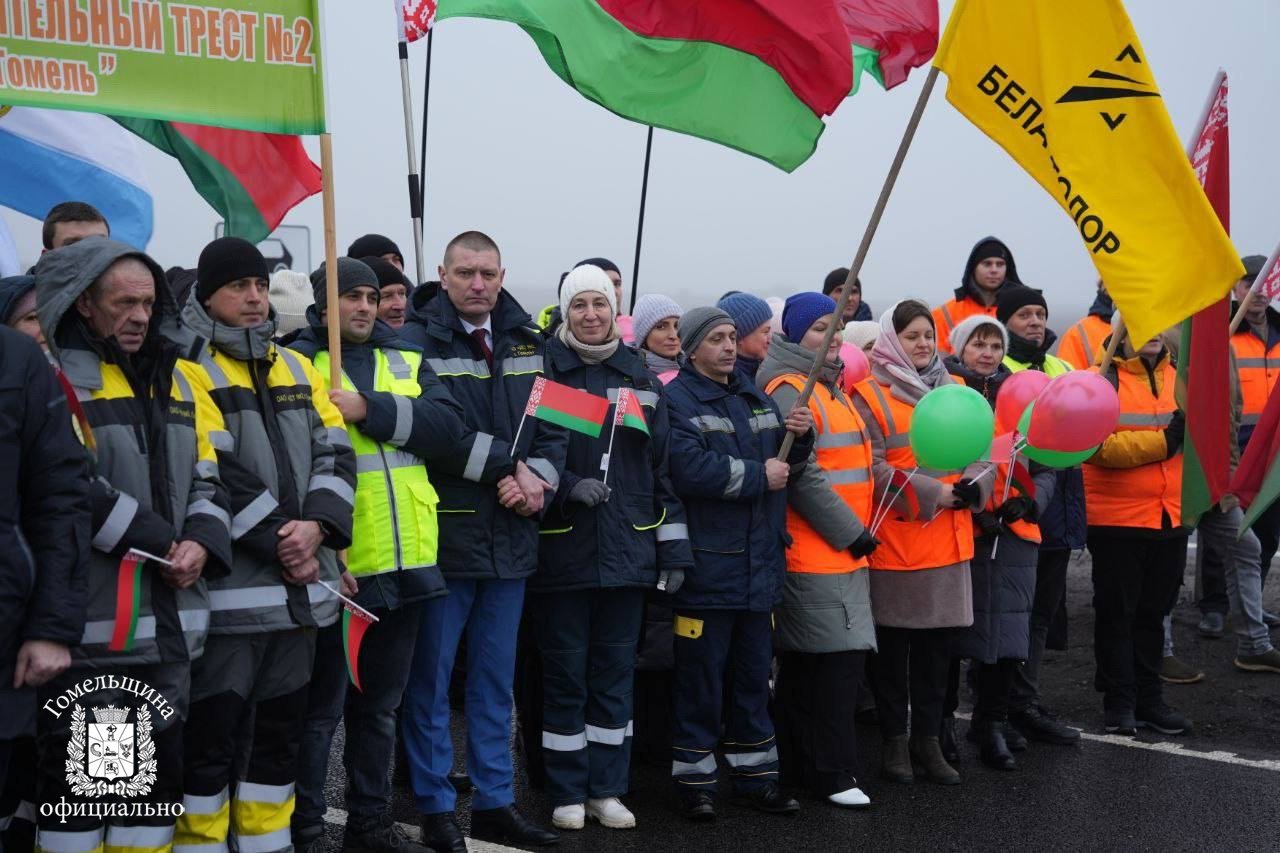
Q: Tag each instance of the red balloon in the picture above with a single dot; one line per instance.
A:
(1076, 411)
(1017, 392)
(856, 367)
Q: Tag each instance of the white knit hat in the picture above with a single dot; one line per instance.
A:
(582, 279)
(290, 295)
(965, 328)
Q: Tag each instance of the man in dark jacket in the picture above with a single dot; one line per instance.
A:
(398, 414)
(44, 556)
(725, 435)
(486, 350)
(142, 411)
(855, 308)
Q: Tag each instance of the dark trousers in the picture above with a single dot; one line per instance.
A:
(817, 697)
(254, 688)
(1212, 554)
(704, 642)
(911, 671)
(1051, 588)
(1267, 529)
(995, 682)
(54, 735)
(18, 794)
(370, 716)
(587, 641)
(952, 702)
(1135, 581)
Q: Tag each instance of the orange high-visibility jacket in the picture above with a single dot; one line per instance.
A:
(1259, 368)
(920, 544)
(843, 450)
(950, 313)
(1129, 482)
(1081, 345)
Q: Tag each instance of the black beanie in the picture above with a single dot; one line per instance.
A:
(374, 244)
(386, 272)
(990, 249)
(1016, 297)
(351, 274)
(604, 264)
(1253, 265)
(837, 277)
(226, 260)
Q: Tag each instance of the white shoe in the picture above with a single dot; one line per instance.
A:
(611, 813)
(851, 799)
(569, 817)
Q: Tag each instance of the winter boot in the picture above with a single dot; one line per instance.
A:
(992, 745)
(927, 761)
(895, 760)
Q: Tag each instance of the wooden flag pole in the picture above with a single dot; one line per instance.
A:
(856, 267)
(1117, 335)
(1244, 306)
(331, 261)
(1258, 282)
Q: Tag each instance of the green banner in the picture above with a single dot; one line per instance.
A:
(248, 64)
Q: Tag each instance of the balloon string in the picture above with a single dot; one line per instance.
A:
(878, 517)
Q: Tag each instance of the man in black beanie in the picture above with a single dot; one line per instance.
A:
(378, 246)
(989, 268)
(286, 460)
(394, 287)
(833, 286)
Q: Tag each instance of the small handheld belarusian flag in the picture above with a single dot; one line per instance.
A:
(128, 601)
(628, 412)
(568, 407)
(355, 623)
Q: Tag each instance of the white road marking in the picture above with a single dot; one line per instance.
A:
(1177, 749)
(338, 817)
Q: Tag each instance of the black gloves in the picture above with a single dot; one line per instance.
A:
(589, 492)
(988, 523)
(864, 544)
(1174, 433)
(1016, 509)
(967, 493)
(670, 580)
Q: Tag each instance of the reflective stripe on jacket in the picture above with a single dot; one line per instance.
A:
(913, 545)
(843, 453)
(950, 313)
(1081, 345)
(1259, 368)
(1129, 482)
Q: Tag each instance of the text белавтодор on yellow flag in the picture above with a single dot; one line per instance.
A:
(1066, 90)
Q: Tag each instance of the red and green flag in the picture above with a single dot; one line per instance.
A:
(755, 75)
(568, 407)
(1257, 479)
(628, 412)
(128, 601)
(1204, 363)
(355, 622)
(252, 179)
(1021, 481)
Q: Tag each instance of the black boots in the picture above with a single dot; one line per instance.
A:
(989, 735)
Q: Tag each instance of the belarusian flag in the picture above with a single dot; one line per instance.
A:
(252, 179)
(1204, 363)
(628, 411)
(755, 75)
(568, 407)
(128, 601)
(1257, 479)
(1021, 480)
(354, 624)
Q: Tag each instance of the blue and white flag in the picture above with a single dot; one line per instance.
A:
(52, 156)
(9, 263)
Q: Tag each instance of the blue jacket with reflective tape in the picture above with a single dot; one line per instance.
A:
(641, 528)
(721, 436)
(479, 539)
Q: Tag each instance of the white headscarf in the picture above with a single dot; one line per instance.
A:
(890, 364)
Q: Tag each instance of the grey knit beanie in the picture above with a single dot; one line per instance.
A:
(651, 308)
(697, 323)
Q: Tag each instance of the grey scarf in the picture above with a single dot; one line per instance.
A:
(589, 353)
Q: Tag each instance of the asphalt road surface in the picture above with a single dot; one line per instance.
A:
(1215, 789)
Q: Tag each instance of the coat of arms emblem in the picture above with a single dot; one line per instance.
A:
(111, 755)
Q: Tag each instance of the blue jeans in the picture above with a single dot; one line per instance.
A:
(489, 612)
(1242, 559)
(370, 715)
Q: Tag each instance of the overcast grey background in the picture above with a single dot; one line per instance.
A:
(555, 178)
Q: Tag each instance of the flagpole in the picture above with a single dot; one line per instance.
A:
(330, 260)
(1262, 276)
(415, 181)
(856, 267)
(608, 454)
(644, 195)
(426, 108)
(1117, 335)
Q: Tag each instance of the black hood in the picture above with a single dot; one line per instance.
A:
(967, 287)
(12, 289)
(1102, 306)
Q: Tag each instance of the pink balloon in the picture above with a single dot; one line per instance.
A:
(1017, 392)
(856, 367)
(1075, 412)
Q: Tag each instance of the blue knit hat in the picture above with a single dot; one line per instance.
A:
(748, 312)
(800, 312)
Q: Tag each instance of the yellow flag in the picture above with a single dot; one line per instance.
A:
(1065, 89)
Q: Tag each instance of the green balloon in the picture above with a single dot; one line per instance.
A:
(1051, 458)
(951, 427)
